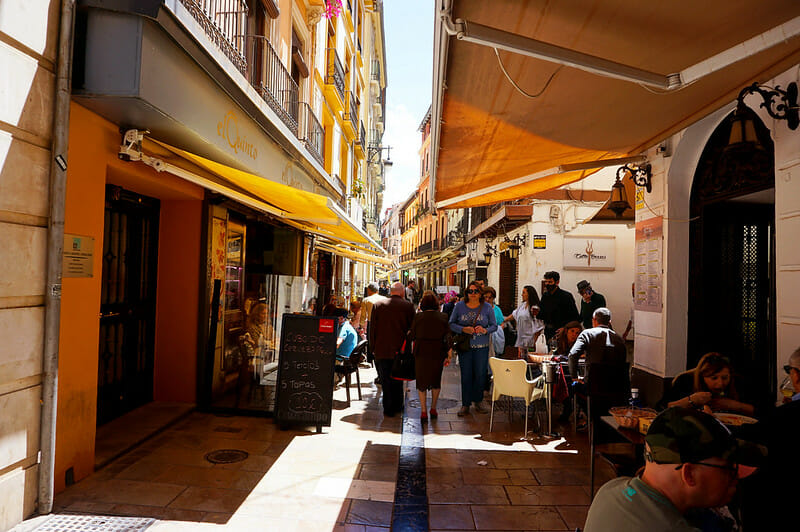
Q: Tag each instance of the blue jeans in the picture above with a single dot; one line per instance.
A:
(474, 369)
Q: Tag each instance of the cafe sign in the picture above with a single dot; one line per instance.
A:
(587, 252)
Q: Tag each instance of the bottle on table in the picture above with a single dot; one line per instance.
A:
(635, 401)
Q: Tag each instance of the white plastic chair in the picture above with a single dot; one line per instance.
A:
(510, 378)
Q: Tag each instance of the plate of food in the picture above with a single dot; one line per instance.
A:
(734, 420)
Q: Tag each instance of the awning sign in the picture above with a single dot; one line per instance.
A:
(586, 252)
(539, 241)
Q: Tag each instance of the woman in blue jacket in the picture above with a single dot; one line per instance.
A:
(474, 317)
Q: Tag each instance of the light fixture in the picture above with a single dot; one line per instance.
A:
(513, 245)
(487, 254)
(780, 104)
(618, 203)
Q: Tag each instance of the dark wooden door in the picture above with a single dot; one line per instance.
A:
(507, 296)
(127, 304)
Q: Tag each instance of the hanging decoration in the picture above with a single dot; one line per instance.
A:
(333, 8)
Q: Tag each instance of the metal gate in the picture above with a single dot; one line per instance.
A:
(127, 303)
(732, 259)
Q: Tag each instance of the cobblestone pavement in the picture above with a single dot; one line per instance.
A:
(345, 478)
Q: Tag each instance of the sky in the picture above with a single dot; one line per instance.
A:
(409, 71)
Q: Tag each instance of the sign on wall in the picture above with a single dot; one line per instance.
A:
(649, 265)
(78, 256)
(586, 252)
(539, 241)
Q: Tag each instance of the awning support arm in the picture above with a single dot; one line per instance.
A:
(130, 151)
(564, 168)
(512, 42)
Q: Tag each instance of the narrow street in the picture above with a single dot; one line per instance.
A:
(345, 478)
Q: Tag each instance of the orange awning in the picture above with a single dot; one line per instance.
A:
(487, 133)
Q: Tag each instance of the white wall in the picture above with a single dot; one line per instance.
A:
(614, 285)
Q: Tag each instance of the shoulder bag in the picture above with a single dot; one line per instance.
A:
(403, 364)
(461, 340)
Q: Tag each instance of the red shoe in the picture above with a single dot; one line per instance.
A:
(434, 413)
(423, 416)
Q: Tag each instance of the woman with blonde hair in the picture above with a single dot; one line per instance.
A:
(710, 385)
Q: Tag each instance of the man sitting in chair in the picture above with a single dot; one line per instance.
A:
(348, 337)
(600, 345)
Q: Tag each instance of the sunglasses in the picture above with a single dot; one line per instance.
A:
(732, 469)
(473, 291)
(788, 369)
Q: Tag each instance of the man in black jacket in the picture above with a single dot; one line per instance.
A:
(388, 326)
(557, 307)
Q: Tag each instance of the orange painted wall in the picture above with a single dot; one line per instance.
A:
(178, 300)
(93, 162)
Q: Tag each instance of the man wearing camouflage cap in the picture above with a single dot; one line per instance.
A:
(692, 461)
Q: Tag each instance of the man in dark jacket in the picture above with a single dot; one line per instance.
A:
(557, 307)
(388, 326)
(600, 344)
(590, 301)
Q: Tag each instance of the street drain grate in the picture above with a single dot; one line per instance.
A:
(94, 523)
(443, 404)
(226, 456)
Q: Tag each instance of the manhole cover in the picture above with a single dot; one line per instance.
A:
(441, 404)
(95, 523)
(226, 456)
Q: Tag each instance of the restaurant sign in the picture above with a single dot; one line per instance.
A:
(586, 252)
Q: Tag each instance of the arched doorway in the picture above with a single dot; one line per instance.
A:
(732, 257)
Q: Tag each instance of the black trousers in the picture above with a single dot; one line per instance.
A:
(391, 389)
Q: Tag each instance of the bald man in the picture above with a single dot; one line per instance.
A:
(388, 326)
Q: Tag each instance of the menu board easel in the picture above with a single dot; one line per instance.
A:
(305, 370)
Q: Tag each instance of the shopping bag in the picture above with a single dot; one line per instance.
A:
(560, 390)
(403, 364)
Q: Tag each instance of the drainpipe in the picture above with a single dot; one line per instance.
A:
(55, 244)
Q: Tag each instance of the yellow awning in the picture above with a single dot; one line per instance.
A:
(487, 134)
(355, 255)
(307, 211)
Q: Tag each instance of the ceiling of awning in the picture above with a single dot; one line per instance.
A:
(491, 133)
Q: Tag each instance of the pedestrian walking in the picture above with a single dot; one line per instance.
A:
(590, 301)
(557, 306)
(476, 318)
(430, 333)
(389, 324)
(529, 326)
(411, 292)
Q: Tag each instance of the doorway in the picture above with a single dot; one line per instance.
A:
(127, 303)
(732, 259)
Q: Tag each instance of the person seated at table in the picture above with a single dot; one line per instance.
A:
(348, 337)
(692, 467)
(770, 491)
(709, 384)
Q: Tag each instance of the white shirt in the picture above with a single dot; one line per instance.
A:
(527, 326)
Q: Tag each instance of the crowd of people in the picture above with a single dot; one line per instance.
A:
(693, 464)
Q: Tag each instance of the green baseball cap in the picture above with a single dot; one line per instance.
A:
(685, 435)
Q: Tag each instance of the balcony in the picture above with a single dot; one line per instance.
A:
(274, 82)
(225, 23)
(350, 116)
(360, 144)
(425, 249)
(334, 81)
(312, 134)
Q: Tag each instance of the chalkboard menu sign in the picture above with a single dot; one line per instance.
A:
(305, 370)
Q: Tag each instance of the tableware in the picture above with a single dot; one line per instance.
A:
(628, 417)
(734, 420)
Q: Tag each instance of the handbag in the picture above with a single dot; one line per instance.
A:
(560, 390)
(461, 340)
(403, 364)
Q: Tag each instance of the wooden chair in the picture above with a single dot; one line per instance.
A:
(509, 378)
(348, 366)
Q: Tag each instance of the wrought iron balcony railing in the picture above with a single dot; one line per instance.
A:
(274, 82)
(335, 72)
(376, 70)
(225, 23)
(312, 133)
(361, 137)
(351, 111)
(427, 247)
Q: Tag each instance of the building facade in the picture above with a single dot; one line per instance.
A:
(218, 176)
